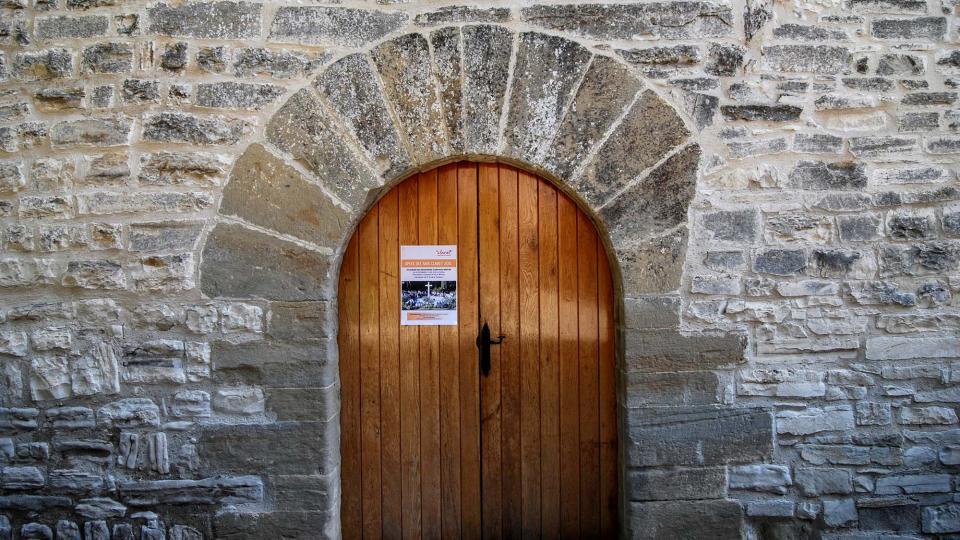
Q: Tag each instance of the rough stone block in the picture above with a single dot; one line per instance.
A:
(547, 72)
(666, 20)
(42, 65)
(242, 263)
(698, 436)
(604, 94)
(265, 191)
(685, 388)
(819, 59)
(207, 20)
(628, 153)
(686, 519)
(406, 72)
(677, 484)
(485, 67)
(941, 519)
(767, 478)
(663, 352)
(839, 513)
(921, 28)
(236, 95)
(815, 482)
(351, 87)
(106, 58)
(346, 27)
(908, 484)
(174, 127)
(815, 420)
(653, 266)
(70, 27)
(217, 490)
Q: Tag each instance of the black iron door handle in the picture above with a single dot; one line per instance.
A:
(483, 343)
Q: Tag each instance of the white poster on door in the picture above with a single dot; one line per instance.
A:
(428, 285)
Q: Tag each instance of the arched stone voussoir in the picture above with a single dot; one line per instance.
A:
(649, 132)
(309, 134)
(265, 191)
(656, 204)
(351, 88)
(406, 71)
(240, 262)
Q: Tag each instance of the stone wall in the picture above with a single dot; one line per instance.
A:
(778, 183)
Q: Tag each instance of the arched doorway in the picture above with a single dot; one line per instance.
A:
(434, 446)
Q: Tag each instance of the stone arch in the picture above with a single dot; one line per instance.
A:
(545, 103)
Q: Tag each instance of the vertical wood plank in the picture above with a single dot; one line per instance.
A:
(549, 359)
(409, 380)
(529, 284)
(569, 371)
(608, 398)
(490, 399)
(370, 374)
(389, 255)
(468, 298)
(449, 369)
(429, 372)
(589, 379)
(509, 365)
(348, 343)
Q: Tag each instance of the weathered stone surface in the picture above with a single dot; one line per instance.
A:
(780, 262)
(819, 59)
(732, 225)
(604, 94)
(687, 388)
(686, 519)
(235, 95)
(688, 484)
(656, 203)
(129, 413)
(447, 58)
(767, 478)
(770, 113)
(64, 27)
(110, 131)
(42, 65)
(406, 72)
(900, 348)
(698, 436)
(815, 482)
(547, 72)
(664, 352)
(221, 489)
(485, 66)
(462, 14)
(186, 128)
(840, 512)
(822, 175)
(304, 129)
(242, 263)
(281, 64)
(265, 191)
(100, 508)
(350, 86)
(342, 26)
(107, 58)
(629, 152)
(930, 28)
(211, 20)
(174, 57)
(815, 420)
(913, 483)
(927, 416)
(941, 519)
(667, 20)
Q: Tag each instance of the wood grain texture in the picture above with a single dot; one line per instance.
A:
(432, 449)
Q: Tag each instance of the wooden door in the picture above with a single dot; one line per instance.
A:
(430, 447)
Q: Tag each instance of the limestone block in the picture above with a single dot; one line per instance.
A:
(347, 27)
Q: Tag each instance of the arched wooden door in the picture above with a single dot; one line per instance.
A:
(431, 447)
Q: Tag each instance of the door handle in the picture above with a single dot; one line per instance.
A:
(483, 343)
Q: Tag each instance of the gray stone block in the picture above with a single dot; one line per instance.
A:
(406, 72)
(921, 28)
(818, 59)
(629, 151)
(66, 27)
(105, 58)
(235, 95)
(685, 388)
(333, 25)
(447, 60)
(486, 67)
(815, 482)
(208, 20)
(545, 77)
(606, 91)
(667, 20)
(698, 436)
(677, 484)
(304, 129)
(720, 519)
(217, 490)
(187, 128)
(352, 90)
(941, 519)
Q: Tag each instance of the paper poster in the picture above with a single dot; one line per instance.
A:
(428, 285)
